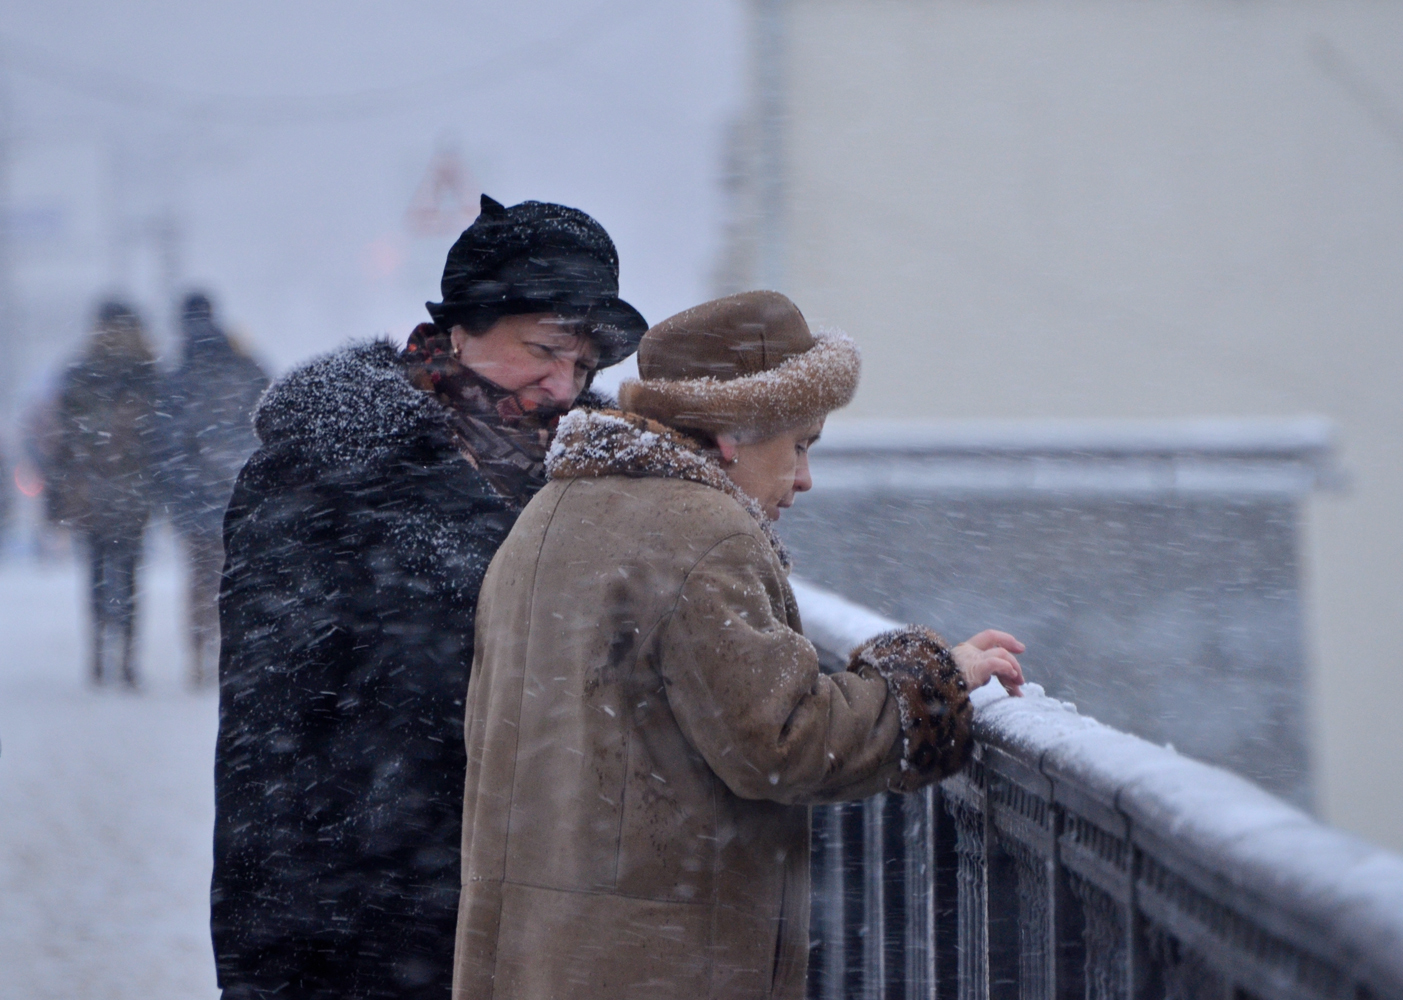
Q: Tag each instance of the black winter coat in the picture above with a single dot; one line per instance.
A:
(356, 538)
(205, 409)
(102, 447)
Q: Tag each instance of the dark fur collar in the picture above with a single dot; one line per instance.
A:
(353, 406)
(356, 406)
(590, 444)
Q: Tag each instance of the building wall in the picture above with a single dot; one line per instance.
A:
(1079, 208)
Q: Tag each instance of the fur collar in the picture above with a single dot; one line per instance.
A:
(357, 407)
(590, 444)
(354, 406)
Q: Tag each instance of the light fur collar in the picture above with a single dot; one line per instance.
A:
(593, 443)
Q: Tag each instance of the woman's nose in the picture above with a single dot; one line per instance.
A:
(803, 481)
(561, 384)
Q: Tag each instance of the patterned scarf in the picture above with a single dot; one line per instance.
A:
(504, 441)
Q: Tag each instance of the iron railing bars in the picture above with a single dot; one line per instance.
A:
(1073, 860)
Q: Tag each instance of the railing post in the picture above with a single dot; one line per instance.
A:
(1094, 846)
(1068, 933)
(826, 965)
(897, 901)
(1004, 911)
(873, 919)
(947, 898)
(964, 800)
(1024, 821)
(919, 871)
(856, 877)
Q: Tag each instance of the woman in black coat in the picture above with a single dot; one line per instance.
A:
(208, 407)
(100, 476)
(356, 538)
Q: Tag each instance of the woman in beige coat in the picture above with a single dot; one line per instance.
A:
(646, 723)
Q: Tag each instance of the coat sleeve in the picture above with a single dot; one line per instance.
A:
(748, 693)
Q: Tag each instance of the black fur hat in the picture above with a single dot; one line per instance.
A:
(538, 257)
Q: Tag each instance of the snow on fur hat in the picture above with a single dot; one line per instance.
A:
(745, 362)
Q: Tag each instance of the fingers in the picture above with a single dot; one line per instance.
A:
(1007, 666)
(992, 638)
(1006, 669)
(977, 666)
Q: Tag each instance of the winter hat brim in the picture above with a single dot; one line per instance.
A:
(798, 391)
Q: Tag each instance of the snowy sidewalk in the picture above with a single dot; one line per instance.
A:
(106, 803)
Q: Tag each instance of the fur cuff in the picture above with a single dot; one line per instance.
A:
(935, 710)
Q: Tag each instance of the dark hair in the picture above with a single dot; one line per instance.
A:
(197, 306)
(475, 321)
(112, 313)
(478, 321)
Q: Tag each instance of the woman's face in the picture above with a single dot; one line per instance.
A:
(774, 470)
(540, 357)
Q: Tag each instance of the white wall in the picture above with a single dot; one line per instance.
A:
(1092, 209)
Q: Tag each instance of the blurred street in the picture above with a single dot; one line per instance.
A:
(106, 801)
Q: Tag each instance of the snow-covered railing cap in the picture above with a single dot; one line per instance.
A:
(1086, 861)
(1275, 455)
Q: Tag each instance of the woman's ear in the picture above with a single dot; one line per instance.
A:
(729, 448)
(458, 337)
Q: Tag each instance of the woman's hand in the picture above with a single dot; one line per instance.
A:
(990, 654)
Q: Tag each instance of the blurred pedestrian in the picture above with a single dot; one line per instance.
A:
(9, 486)
(100, 475)
(38, 427)
(646, 723)
(207, 418)
(358, 535)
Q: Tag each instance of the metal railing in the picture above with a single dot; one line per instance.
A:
(1073, 860)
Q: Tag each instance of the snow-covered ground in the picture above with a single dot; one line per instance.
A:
(106, 802)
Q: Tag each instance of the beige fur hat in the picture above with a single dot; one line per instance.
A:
(745, 362)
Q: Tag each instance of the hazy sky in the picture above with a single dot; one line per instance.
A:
(288, 140)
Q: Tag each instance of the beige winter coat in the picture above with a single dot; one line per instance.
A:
(646, 726)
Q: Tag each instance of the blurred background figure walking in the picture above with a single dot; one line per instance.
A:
(100, 475)
(206, 409)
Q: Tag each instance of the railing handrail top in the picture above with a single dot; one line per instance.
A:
(1306, 438)
(1240, 834)
(1257, 843)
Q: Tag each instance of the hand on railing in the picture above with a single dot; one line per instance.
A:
(990, 654)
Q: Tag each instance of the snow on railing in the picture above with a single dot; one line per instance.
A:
(1071, 859)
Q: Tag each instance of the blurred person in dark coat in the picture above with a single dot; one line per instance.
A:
(100, 474)
(357, 538)
(35, 473)
(207, 418)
